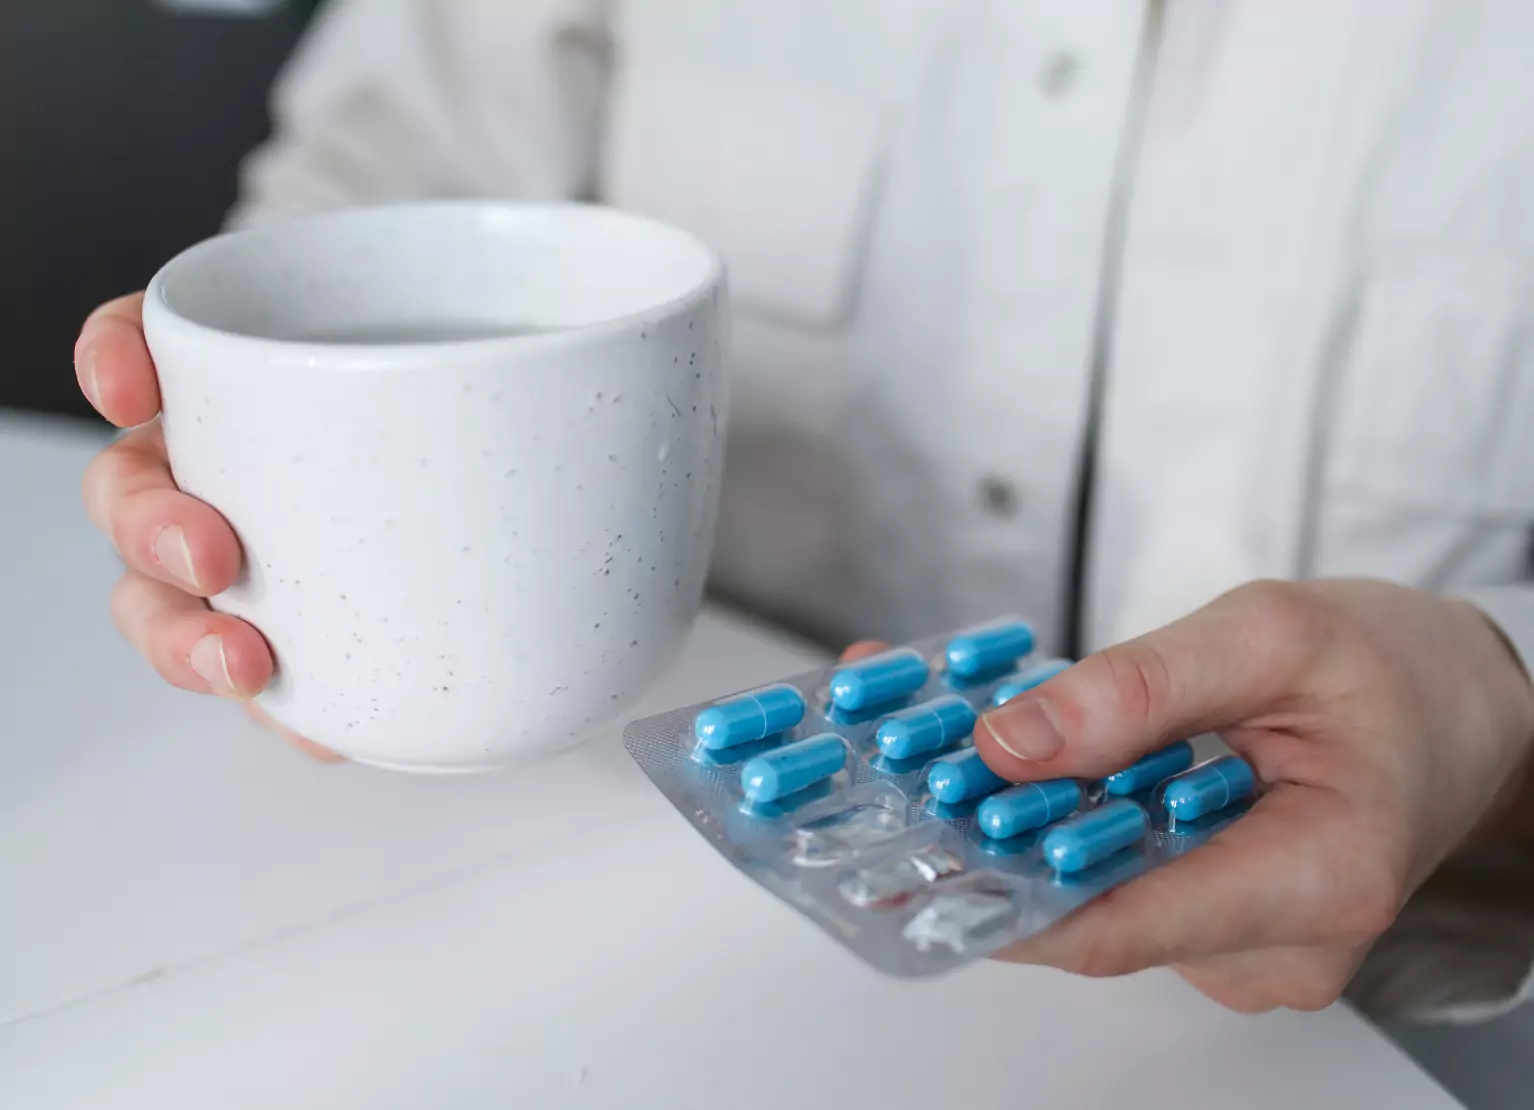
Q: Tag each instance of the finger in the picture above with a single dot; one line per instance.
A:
(158, 530)
(190, 645)
(862, 650)
(1285, 874)
(1296, 978)
(1232, 660)
(113, 366)
(308, 747)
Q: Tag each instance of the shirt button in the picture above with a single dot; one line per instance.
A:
(1058, 74)
(999, 496)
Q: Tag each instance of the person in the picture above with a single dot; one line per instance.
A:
(1095, 311)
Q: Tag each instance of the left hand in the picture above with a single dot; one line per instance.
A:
(179, 551)
(1384, 724)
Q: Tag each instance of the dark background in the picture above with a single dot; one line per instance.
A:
(122, 125)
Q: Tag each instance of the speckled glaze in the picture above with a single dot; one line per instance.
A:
(464, 552)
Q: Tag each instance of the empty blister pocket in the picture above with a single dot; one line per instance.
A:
(855, 795)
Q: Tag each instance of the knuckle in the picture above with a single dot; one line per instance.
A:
(1287, 609)
(1311, 995)
(125, 527)
(1099, 958)
(1137, 673)
(1234, 992)
(96, 487)
(110, 494)
(147, 621)
(148, 627)
(120, 603)
(166, 651)
(1369, 908)
(119, 522)
(1287, 624)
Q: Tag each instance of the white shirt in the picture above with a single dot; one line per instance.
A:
(1291, 243)
(1296, 251)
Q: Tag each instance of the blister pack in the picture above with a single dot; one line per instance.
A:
(855, 794)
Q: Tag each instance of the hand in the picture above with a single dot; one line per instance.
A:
(178, 549)
(1385, 725)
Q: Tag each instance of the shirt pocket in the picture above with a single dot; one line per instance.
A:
(1436, 400)
(778, 176)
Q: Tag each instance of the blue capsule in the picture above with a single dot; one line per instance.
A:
(958, 778)
(1209, 787)
(985, 650)
(747, 717)
(928, 727)
(791, 768)
(1029, 806)
(878, 680)
(1027, 681)
(1150, 770)
(1093, 836)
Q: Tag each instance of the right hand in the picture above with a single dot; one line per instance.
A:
(179, 550)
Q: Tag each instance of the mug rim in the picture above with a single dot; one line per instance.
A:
(160, 312)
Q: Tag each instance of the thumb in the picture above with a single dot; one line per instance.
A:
(1229, 661)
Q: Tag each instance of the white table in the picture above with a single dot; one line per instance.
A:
(193, 916)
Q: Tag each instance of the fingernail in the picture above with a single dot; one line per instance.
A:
(1026, 728)
(174, 556)
(212, 665)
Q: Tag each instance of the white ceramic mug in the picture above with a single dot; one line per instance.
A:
(472, 451)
